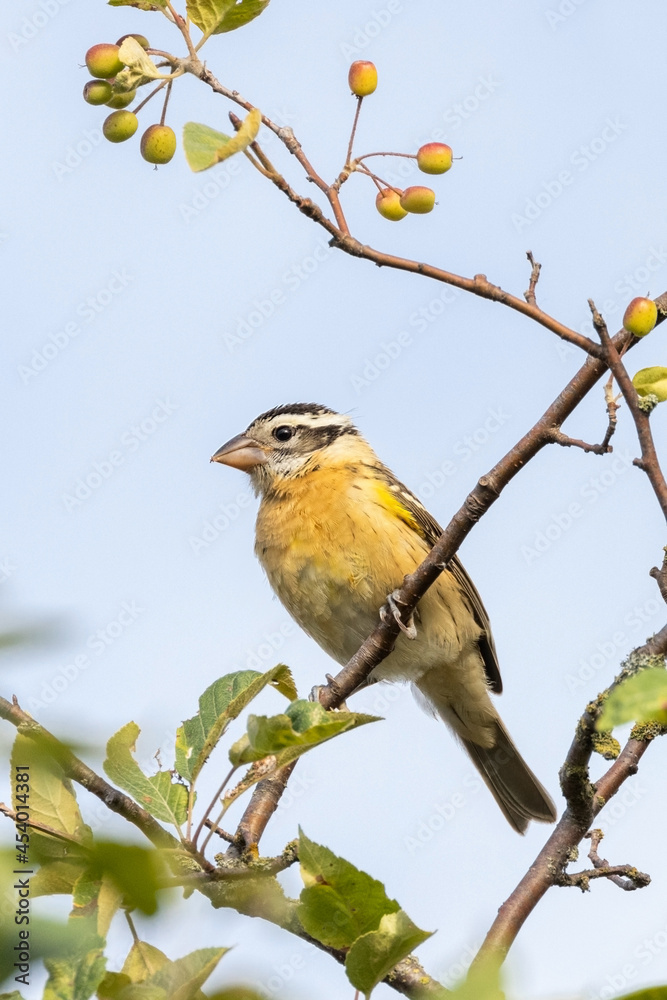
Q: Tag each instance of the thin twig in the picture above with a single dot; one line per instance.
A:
(529, 295)
(357, 112)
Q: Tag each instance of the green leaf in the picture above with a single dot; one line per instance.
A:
(77, 975)
(304, 725)
(142, 961)
(96, 899)
(339, 902)
(183, 978)
(204, 147)
(374, 955)
(220, 703)
(139, 67)
(640, 698)
(57, 877)
(50, 800)
(159, 795)
(651, 380)
(216, 16)
(134, 870)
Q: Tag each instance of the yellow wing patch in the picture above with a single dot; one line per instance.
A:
(394, 505)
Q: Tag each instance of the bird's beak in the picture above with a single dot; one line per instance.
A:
(241, 453)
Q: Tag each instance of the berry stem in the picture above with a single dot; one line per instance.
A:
(166, 102)
(152, 94)
(407, 156)
(354, 129)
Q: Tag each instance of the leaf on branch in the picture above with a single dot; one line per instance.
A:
(76, 974)
(97, 899)
(304, 725)
(640, 698)
(139, 67)
(220, 703)
(159, 795)
(178, 980)
(373, 955)
(204, 147)
(651, 380)
(142, 961)
(57, 878)
(343, 907)
(51, 802)
(214, 17)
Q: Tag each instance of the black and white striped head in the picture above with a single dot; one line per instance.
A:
(289, 441)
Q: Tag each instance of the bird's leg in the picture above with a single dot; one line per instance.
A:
(410, 629)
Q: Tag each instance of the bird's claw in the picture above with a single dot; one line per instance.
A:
(315, 693)
(409, 628)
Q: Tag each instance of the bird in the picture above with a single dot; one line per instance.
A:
(336, 533)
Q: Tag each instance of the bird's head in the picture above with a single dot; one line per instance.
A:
(290, 441)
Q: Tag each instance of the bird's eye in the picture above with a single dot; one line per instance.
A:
(283, 433)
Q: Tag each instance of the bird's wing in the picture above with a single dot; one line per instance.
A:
(428, 528)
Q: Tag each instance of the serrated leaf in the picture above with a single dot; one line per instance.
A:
(216, 16)
(651, 380)
(159, 795)
(220, 703)
(375, 954)
(640, 698)
(183, 978)
(142, 961)
(204, 147)
(339, 902)
(134, 870)
(304, 725)
(51, 801)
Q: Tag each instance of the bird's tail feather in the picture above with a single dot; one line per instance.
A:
(513, 785)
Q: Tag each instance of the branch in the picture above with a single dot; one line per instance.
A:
(649, 460)
(584, 802)
(626, 877)
(79, 772)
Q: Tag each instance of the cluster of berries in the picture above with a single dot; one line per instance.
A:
(158, 142)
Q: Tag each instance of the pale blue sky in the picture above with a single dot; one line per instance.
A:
(147, 283)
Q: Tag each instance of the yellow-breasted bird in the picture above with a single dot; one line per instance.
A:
(336, 533)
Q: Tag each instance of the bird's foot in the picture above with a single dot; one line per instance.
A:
(409, 628)
(315, 694)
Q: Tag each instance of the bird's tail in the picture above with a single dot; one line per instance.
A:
(511, 782)
(466, 707)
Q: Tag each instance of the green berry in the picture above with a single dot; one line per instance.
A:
(158, 144)
(120, 125)
(121, 99)
(97, 92)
